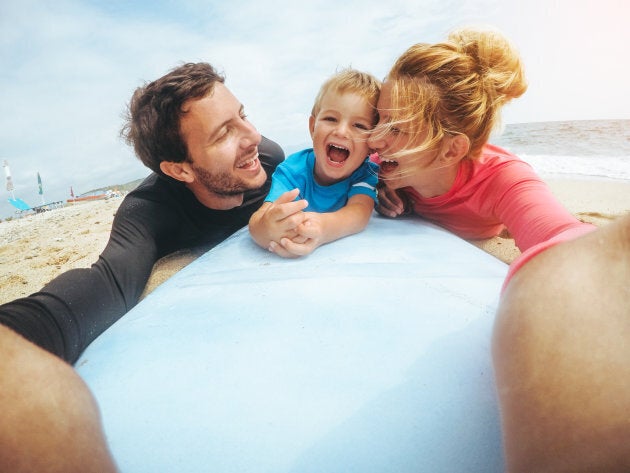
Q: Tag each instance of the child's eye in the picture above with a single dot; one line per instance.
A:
(361, 126)
(329, 119)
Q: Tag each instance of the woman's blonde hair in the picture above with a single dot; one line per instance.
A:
(455, 88)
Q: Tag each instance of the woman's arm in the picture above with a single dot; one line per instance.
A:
(527, 207)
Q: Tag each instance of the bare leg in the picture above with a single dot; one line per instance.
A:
(561, 352)
(49, 421)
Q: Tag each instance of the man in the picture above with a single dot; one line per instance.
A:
(212, 170)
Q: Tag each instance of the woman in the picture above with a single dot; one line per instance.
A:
(438, 107)
(559, 347)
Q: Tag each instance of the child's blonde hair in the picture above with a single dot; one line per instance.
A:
(351, 81)
(455, 88)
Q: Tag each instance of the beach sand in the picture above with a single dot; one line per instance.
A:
(35, 248)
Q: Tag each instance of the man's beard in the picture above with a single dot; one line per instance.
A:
(223, 184)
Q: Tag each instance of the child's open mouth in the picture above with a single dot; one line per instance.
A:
(337, 154)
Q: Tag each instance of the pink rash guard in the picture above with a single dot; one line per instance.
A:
(499, 191)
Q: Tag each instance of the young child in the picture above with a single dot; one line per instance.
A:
(326, 192)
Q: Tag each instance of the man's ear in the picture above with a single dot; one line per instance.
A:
(311, 125)
(180, 171)
(456, 148)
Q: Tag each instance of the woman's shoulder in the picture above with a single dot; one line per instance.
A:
(500, 166)
(491, 153)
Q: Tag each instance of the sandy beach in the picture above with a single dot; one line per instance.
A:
(35, 248)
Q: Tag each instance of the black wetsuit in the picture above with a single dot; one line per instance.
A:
(157, 218)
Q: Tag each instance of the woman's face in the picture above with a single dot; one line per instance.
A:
(399, 171)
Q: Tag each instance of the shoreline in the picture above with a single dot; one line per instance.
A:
(36, 248)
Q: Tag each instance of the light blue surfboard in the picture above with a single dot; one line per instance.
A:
(370, 355)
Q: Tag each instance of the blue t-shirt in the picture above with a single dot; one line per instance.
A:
(297, 171)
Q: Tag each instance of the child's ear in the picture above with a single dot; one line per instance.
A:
(456, 148)
(180, 171)
(311, 125)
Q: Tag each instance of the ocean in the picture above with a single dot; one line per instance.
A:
(571, 149)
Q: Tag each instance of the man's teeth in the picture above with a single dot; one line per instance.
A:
(248, 163)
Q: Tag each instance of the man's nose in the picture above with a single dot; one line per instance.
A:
(251, 135)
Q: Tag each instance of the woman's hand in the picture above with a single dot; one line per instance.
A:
(390, 202)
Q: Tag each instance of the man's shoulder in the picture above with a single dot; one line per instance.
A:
(270, 153)
(153, 184)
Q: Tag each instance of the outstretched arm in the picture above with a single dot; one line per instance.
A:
(278, 219)
(561, 356)
(320, 228)
(69, 312)
(49, 421)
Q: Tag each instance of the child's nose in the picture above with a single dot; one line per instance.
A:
(343, 129)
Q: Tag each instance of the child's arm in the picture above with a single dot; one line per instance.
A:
(320, 228)
(279, 219)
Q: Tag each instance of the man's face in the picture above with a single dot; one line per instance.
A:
(222, 147)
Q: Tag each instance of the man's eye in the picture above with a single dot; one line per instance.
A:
(224, 133)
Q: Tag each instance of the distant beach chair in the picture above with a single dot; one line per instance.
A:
(24, 207)
(20, 205)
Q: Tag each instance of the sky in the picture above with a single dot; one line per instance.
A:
(69, 67)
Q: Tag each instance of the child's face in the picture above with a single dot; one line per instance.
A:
(340, 132)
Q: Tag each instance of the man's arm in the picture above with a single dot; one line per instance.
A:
(78, 305)
(49, 421)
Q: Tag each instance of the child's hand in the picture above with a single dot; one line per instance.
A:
(310, 235)
(278, 219)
